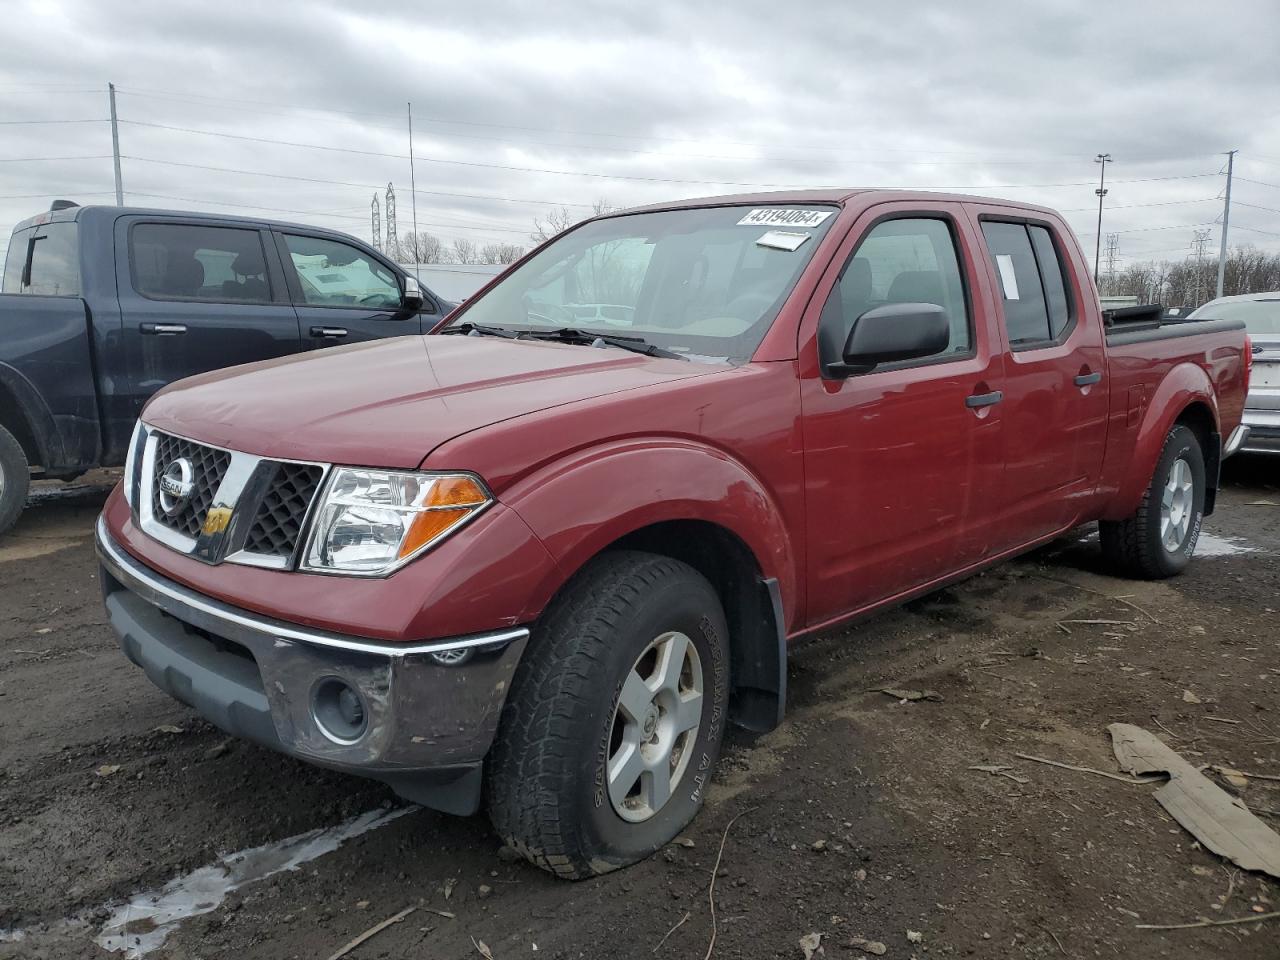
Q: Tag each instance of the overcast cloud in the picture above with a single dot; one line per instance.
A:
(653, 100)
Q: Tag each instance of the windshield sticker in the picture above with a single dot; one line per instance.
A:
(784, 217)
(782, 240)
(1008, 279)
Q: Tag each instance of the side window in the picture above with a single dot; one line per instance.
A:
(181, 261)
(1031, 282)
(336, 274)
(44, 261)
(1054, 279)
(900, 261)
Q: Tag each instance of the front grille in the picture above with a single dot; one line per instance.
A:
(208, 467)
(278, 520)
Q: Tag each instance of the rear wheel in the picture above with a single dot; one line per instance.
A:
(1160, 538)
(15, 479)
(615, 717)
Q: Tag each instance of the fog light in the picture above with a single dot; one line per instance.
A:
(339, 711)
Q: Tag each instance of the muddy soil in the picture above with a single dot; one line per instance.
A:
(860, 819)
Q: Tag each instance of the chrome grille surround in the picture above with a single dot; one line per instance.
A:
(242, 509)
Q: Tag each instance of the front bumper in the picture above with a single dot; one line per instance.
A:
(431, 708)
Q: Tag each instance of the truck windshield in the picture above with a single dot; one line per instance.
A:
(705, 283)
(1261, 317)
(43, 260)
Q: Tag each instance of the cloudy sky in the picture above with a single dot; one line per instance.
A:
(522, 107)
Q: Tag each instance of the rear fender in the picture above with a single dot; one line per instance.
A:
(579, 505)
(1184, 385)
(25, 414)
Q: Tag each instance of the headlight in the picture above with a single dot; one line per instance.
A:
(372, 522)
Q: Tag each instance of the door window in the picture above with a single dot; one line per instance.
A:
(911, 260)
(335, 274)
(44, 261)
(181, 261)
(1031, 282)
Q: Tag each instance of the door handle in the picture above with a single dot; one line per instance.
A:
(1085, 379)
(329, 333)
(162, 329)
(984, 399)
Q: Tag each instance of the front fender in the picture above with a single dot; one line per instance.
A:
(579, 505)
(1184, 385)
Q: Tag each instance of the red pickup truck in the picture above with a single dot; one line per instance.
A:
(542, 556)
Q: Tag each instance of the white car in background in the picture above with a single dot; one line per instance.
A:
(1261, 315)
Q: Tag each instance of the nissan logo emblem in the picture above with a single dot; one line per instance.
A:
(176, 485)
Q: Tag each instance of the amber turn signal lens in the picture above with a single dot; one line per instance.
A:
(428, 525)
(456, 492)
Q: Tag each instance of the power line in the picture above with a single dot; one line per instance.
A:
(99, 156)
(19, 123)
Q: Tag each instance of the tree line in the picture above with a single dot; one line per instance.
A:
(424, 247)
(1192, 282)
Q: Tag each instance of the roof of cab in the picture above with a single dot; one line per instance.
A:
(95, 211)
(828, 195)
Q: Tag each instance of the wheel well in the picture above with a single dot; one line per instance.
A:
(1199, 419)
(752, 609)
(12, 419)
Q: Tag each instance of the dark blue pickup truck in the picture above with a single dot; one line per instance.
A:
(102, 306)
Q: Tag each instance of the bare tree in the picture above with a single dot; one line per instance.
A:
(501, 253)
(419, 248)
(1191, 282)
(558, 221)
(464, 251)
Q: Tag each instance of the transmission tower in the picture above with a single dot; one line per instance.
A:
(1113, 253)
(376, 229)
(393, 244)
(1199, 243)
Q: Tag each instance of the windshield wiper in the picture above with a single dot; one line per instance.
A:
(480, 330)
(634, 344)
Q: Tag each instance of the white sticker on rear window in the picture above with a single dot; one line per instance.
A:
(784, 217)
(782, 240)
(1008, 279)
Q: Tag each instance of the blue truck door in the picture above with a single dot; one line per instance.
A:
(344, 293)
(198, 295)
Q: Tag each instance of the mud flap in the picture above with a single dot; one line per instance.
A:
(760, 667)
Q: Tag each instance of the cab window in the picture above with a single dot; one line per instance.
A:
(1031, 283)
(183, 261)
(909, 260)
(44, 261)
(337, 274)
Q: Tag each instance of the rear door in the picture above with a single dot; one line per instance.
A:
(1056, 394)
(344, 293)
(197, 296)
(900, 462)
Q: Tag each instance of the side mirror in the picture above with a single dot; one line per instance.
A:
(894, 331)
(411, 299)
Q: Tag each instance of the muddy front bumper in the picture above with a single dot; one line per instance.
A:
(418, 716)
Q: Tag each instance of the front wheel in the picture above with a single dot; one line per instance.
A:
(15, 479)
(1160, 538)
(615, 717)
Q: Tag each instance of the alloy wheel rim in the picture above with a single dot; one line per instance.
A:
(1177, 500)
(655, 725)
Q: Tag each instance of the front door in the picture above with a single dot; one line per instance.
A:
(901, 461)
(344, 294)
(1056, 401)
(196, 297)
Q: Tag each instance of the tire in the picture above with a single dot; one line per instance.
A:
(1160, 538)
(571, 709)
(15, 480)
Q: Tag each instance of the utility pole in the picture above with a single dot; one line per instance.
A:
(376, 226)
(1226, 216)
(413, 197)
(1200, 241)
(393, 240)
(115, 144)
(1104, 159)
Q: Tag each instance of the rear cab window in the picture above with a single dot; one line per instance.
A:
(44, 261)
(1031, 281)
(182, 261)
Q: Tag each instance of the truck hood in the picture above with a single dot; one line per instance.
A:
(389, 403)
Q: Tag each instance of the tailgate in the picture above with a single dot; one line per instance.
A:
(1264, 384)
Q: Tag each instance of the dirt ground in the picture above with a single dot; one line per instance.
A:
(861, 817)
